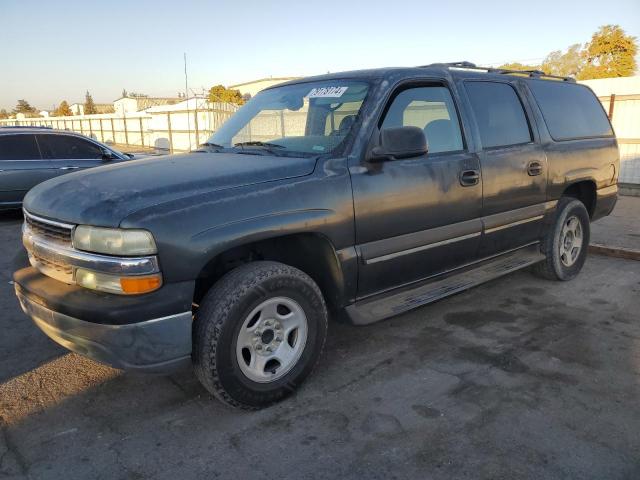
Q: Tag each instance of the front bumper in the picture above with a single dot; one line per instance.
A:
(157, 345)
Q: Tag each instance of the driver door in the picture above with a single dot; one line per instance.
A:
(420, 216)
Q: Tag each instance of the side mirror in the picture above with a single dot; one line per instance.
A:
(399, 142)
(107, 155)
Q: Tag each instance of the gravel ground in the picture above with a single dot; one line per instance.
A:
(519, 378)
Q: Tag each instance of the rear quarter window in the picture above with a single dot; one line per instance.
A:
(570, 111)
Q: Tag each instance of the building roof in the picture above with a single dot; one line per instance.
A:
(104, 108)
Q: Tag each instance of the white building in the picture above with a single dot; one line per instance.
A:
(125, 105)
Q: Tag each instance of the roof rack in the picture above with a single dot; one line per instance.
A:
(504, 71)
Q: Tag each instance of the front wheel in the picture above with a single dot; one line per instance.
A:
(258, 334)
(566, 243)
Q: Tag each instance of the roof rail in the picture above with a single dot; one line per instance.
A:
(503, 71)
(463, 64)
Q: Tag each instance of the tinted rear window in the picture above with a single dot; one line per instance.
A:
(570, 111)
(67, 147)
(19, 147)
(499, 114)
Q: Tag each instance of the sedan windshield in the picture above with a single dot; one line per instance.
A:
(306, 118)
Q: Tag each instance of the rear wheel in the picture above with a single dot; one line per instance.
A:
(566, 243)
(258, 334)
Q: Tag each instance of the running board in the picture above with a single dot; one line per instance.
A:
(389, 304)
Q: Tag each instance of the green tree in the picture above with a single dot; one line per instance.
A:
(89, 105)
(519, 66)
(220, 93)
(565, 64)
(3, 114)
(63, 110)
(610, 53)
(25, 108)
(124, 93)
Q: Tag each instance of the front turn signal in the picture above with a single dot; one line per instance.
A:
(134, 285)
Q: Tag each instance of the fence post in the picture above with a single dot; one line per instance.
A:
(101, 132)
(90, 129)
(195, 115)
(612, 102)
(170, 133)
(81, 127)
(141, 134)
(113, 131)
(126, 132)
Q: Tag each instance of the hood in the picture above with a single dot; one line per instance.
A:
(104, 196)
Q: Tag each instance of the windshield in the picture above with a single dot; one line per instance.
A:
(306, 118)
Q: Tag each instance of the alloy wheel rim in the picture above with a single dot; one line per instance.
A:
(571, 239)
(271, 339)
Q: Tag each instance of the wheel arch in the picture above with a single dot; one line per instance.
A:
(585, 191)
(312, 253)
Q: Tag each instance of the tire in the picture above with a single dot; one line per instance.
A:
(232, 334)
(563, 262)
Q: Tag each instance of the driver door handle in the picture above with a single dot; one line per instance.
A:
(469, 178)
(69, 167)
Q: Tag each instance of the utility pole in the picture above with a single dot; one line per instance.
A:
(186, 92)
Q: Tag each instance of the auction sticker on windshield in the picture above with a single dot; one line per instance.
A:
(327, 92)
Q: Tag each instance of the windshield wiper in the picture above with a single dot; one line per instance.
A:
(212, 145)
(258, 144)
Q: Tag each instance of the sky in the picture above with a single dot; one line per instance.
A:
(57, 50)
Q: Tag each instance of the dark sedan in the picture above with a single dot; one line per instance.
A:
(30, 155)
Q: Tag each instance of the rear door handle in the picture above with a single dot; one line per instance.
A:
(68, 168)
(469, 178)
(534, 168)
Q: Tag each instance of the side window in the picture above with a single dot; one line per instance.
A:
(18, 147)
(429, 108)
(66, 147)
(570, 110)
(499, 114)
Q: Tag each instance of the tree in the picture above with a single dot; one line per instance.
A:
(519, 66)
(89, 105)
(565, 64)
(25, 108)
(610, 53)
(124, 93)
(63, 110)
(220, 93)
(4, 114)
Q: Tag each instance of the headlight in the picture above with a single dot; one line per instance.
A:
(113, 241)
(115, 284)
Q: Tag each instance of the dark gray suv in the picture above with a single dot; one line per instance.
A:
(31, 155)
(368, 193)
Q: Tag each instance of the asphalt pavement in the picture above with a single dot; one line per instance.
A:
(519, 378)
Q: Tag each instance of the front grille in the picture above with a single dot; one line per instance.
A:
(60, 268)
(52, 230)
(40, 231)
